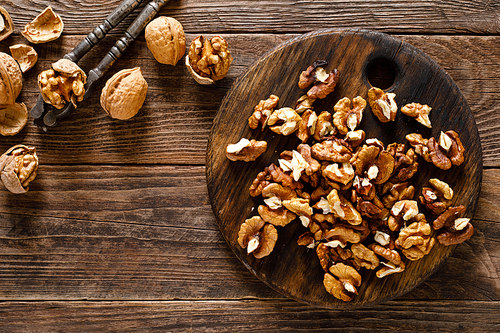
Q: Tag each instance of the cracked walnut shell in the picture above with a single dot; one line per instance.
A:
(18, 166)
(6, 25)
(11, 80)
(124, 93)
(166, 40)
(25, 56)
(63, 83)
(208, 60)
(13, 118)
(46, 27)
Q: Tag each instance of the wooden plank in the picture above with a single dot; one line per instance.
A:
(148, 233)
(458, 17)
(250, 315)
(174, 123)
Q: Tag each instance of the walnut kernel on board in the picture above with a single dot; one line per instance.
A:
(383, 105)
(245, 150)
(166, 40)
(208, 60)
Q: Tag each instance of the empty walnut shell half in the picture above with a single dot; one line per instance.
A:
(166, 40)
(25, 56)
(11, 80)
(13, 118)
(6, 25)
(208, 60)
(124, 93)
(46, 27)
(18, 167)
(62, 84)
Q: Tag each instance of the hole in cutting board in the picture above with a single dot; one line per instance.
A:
(381, 73)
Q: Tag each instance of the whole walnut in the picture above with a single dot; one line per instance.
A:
(166, 40)
(11, 80)
(124, 93)
(208, 60)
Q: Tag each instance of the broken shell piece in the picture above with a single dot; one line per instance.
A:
(198, 78)
(18, 166)
(25, 56)
(13, 119)
(46, 27)
(6, 25)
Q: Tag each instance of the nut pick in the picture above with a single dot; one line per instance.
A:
(45, 114)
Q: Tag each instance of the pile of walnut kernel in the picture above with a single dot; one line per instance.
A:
(353, 195)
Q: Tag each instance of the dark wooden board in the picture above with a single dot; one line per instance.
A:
(293, 270)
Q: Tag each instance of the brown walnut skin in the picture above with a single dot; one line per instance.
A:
(208, 58)
(322, 89)
(448, 217)
(308, 76)
(262, 111)
(256, 228)
(332, 150)
(453, 237)
(344, 111)
(250, 153)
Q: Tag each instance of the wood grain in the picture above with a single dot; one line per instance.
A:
(90, 230)
(89, 233)
(250, 315)
(174, 123)
(292, 269)
(458, 17)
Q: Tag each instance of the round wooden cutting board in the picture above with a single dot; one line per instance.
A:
(295, 270)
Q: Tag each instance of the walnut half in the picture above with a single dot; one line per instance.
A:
(208, 60)
(246, 150)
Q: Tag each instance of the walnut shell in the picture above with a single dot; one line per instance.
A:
(46, 27)
(25, 56)
(13, 119)
(18, 167)
(208, 60)
(11, 80)
(6, 25)
(124, 93)
(166, 40)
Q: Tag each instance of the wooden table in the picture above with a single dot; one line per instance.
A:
(117, 232)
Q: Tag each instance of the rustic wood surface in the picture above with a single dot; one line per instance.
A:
(117, 232)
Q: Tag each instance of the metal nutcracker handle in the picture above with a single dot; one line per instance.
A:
(99, 32)
(122, 44)
(53, 116)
